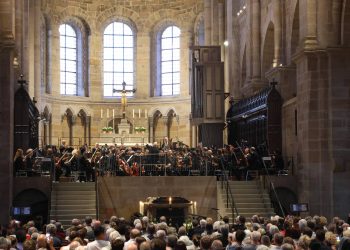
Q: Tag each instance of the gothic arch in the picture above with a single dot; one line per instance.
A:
(83, 127)
(68, 120)
(268, 49)
(295, 31)
(199, 30)
(46, 133)
(172, 124)
(158, 126)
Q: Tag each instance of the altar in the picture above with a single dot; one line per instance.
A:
(123, 130)
(124, 133)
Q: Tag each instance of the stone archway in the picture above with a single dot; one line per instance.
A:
(268, 51)
(67, 127)
(36, 201)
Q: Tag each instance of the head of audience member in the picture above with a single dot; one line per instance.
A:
(205, 242)
(278, 239)
(265, 240)
(117, 244)
(158, 244)
(216, 245)
(99, 233)
(240, 235)
(4, 244)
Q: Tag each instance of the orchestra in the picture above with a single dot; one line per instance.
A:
(86, 163)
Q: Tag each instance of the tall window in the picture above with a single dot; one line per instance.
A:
(68, 57)
(118, 65)
(170, 61)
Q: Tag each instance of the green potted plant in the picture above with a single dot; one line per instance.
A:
(137, 130)
(104, 130)
(110, 130)
(142, 130)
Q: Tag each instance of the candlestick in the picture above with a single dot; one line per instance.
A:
(101, 113)
(141, 207)
(113, 122)
(139, 113)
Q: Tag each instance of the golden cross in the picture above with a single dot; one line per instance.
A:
(124, 99)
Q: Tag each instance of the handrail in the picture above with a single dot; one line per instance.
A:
(272, 186)
(97, 198)
(229, 194)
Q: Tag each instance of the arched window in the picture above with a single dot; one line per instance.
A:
(68, 60)
(118, 58)
(170, 61)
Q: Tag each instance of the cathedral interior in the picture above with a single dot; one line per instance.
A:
(137, 71)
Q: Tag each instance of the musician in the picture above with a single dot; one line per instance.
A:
(18, 161)
(84, 165)
(29, 159)
(277, 160)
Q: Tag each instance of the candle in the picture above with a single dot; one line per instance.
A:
(107, 113)
(169, 200)
(101, 113)
(141, 207)
(133, 113)
(139, 113)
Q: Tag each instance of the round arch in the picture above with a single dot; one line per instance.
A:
(37, 201)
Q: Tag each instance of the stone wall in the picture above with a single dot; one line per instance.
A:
(147, 17)
(290, 41)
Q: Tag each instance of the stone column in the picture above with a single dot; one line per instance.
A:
(214, 23)
(315, 167)
(278, 32)
(37, 53)
(151, 129)
(7, 46)
(54, 52)
(308, 28)
(256, 75)
(88, 129)
(207, 22)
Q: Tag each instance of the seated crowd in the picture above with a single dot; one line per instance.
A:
(257, 233)
(151, 160)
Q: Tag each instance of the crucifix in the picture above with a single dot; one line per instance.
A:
(123, 93)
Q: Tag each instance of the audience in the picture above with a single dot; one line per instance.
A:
(256, 233)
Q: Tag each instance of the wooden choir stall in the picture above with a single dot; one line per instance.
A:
(257, 120)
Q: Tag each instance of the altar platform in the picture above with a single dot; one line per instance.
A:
(127, 140)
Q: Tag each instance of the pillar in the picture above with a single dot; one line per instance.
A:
(151, 129)
(256, 62)
(7, 46)
(207, 22)
(278, 32)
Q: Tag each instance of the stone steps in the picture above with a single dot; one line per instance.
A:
(249, 198)
(71, 200)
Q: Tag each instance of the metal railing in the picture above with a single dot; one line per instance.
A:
(230, 202)
(272, 187)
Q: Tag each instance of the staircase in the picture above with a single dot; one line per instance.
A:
(249, 197)
(71, 200)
